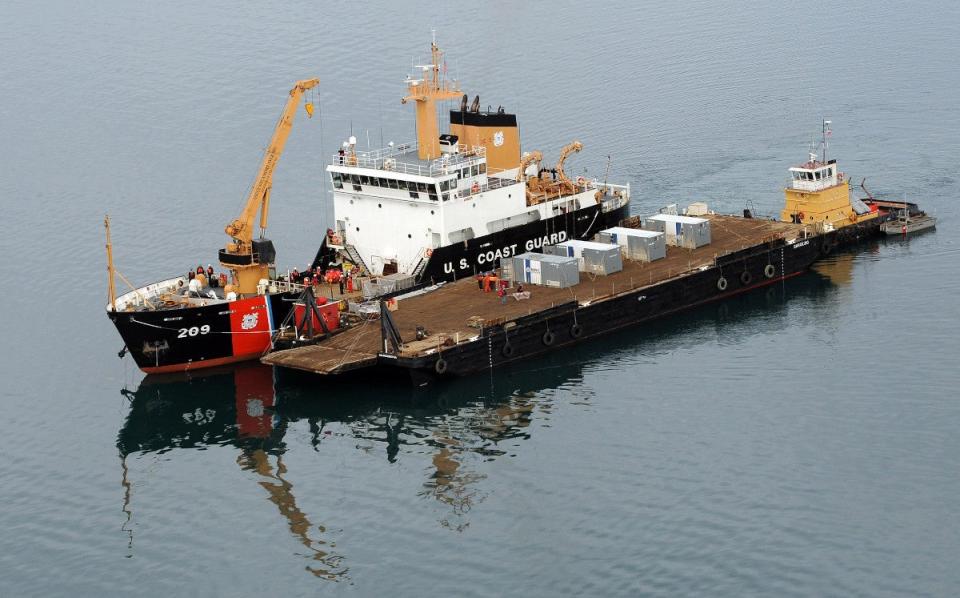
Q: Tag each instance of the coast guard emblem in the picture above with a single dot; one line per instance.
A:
(249, 321)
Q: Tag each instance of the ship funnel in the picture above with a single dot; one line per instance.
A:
(496, 132)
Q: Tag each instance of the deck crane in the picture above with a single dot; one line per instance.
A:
(563, 182)
(247, 258)
(533, 183)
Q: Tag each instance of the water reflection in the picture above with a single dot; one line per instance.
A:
(461, 425)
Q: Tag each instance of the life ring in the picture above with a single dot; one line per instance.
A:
(769, 270)
(745, 278)
(507, 349)
(440, 366)
(429, 251)
(576, 331)
(548, 338)
(721, 284)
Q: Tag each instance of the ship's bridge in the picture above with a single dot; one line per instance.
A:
(815, 175)
(457, 173)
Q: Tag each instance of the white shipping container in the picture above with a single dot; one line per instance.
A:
(637, 244)
(681, 231)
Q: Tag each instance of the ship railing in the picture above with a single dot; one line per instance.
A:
(491, 184)
(145, 296)
(390, 159)
(614, 196)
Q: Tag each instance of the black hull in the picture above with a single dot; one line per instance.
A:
(174, 340)
(484, 253)
(568, 324)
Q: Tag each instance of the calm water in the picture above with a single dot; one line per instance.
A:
(797, 441)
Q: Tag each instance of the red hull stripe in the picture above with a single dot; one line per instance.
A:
(197, 365)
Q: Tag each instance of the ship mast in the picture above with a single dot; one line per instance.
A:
(426, 92)
(111, 286)
(824, 130)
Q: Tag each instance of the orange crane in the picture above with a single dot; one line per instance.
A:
(565, 184)
(247, 258)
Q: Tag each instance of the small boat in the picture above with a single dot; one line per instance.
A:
(908, 223)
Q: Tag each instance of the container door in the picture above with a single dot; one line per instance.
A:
(535, 276)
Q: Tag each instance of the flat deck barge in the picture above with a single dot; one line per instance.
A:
(469, 330)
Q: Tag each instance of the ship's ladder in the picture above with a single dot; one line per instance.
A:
(355, 259)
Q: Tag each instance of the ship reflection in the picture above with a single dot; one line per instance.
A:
(463, 424)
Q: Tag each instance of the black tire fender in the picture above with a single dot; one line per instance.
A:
(721, 284)
(746, 278)
(548, 338)
(576, 331)
(507, 350)
(440, 366)
(769, 270)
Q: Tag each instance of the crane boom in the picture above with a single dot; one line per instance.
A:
(250, 260)
(241, 229)
(568, 149)
(533, 157)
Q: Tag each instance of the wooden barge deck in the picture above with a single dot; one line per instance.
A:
(448, 312)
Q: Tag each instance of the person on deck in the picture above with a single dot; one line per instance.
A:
(214, 282)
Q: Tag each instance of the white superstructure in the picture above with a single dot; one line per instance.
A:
(396, 209)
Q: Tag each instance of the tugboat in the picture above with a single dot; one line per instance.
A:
(186, 322)
(452, 205)
(818, 196)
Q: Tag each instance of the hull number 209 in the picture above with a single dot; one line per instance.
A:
(193, 331)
